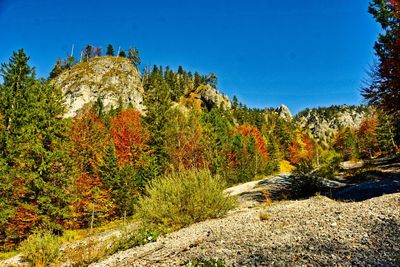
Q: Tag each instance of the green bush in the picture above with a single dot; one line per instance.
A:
(41, 249)
(182, 198)
(330, 164)
(307, 179)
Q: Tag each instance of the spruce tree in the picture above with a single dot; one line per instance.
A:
(157, 100)
(122, 53)
(57, 69)
(33, 146)
(110, 50)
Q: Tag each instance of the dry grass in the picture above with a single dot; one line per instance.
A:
(85, 253)
(263, 215)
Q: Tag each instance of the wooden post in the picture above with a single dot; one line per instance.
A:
(92, 220)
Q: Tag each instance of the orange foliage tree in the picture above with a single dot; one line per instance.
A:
(301, 149)
(367, 136)
(130, 137)
(251, 131)
(184, 145)
(89, 138)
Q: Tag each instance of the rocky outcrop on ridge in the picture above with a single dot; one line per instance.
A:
(113, 80)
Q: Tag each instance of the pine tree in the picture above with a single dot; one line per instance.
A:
(122, 53)
(110, 50)
(157, 100)
(34, 152)
(57, 69)
(384, 88)
(133, 55)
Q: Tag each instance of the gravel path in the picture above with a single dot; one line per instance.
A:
(312, 232)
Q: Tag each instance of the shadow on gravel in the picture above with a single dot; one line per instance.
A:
(379, 246)
(385, 183)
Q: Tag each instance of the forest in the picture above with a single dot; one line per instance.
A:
(60, 173)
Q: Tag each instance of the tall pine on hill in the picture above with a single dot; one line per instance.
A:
(157, 100)
(33, 152)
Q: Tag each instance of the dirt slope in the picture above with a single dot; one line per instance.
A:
(316, 231)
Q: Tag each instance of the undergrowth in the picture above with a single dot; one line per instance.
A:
(183, 198)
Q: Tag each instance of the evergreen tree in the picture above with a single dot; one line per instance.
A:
(69, 62)
(384, 87)
(122, 53)
(110, 50)
(88, 52)
(33, 147)
(157, 100)
(133, 55)
(57, 69)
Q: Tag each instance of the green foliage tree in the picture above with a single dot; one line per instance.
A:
(122, 53)
(57, 69)
(34, 148)
(383, 89)
(133, 55)
(157, 100)
(110, 50)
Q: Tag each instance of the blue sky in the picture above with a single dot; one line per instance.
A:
(268, 52)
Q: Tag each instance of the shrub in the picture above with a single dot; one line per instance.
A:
(307, 179)
(85, 252)
(41, 249)
(304, 181)
(182, 198)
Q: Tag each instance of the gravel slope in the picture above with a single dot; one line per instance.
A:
(316, 232)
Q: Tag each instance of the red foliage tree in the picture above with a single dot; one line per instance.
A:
(130, 137)
(301, 149)
(89, 141)
(184, 142)
(248, 130)
(367, 136)
(20, 226)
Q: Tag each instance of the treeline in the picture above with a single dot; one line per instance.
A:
(91, 51)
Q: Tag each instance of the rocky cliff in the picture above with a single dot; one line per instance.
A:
(114, 80)
(323, 123)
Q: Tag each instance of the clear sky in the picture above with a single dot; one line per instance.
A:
(267, 52)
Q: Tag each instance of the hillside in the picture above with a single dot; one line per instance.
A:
(316, 231)
(324, 122)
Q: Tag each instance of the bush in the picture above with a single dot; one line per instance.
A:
(41, 249)
(182, 198)
(307, 179)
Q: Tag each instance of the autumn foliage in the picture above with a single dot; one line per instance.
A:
(129, 136)
(251, 131)
(301, 149)
(89, 138)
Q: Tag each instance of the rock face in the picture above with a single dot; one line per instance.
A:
(114, 80)
(324, 123)
(284, 112)
(211, 97)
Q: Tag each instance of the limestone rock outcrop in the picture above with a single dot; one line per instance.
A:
(113, 80)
